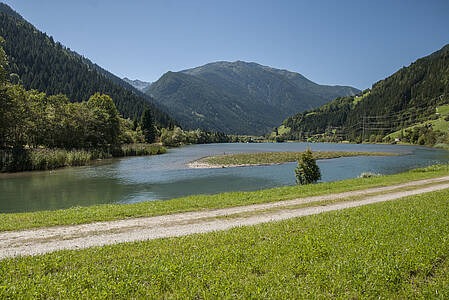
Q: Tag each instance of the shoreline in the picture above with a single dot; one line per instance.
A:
(202, 163)
(56, 158)
(196, 164)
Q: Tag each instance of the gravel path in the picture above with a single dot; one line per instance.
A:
(44, 240)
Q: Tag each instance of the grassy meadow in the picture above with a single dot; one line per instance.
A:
(396, 249)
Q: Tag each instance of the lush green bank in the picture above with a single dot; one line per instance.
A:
(49, 159)
(395, 249)
(279, 157)
(79, 215)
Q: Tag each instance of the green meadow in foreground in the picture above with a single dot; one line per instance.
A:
(396, 249)
(262, 158)
(106, 212)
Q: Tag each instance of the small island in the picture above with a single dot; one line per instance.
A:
(270, 158)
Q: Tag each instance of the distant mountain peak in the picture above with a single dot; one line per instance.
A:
(239, 97)
(138, 84)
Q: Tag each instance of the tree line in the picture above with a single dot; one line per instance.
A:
(31, 119)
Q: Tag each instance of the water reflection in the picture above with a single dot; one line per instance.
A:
(166, 176)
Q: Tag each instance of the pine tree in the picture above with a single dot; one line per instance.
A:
(147, 126)
(307, 171)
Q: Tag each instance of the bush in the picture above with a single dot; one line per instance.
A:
(279, 139)
(432, 168)
(369, 175)
(307, 171)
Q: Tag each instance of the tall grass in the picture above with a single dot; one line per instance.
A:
(141, 149)
(48, 159)
(442, 146)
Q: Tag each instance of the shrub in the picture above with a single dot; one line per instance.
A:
(307, 171)
(369, 175)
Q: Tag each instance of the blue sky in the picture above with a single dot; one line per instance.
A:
(330, 42)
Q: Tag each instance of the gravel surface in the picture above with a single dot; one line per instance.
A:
(49, 239)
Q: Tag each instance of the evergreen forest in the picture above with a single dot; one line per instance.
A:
(37, 62)
(404, 106)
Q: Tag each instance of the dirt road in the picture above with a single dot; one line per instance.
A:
(44, 240)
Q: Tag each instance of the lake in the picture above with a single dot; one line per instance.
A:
(162, 177)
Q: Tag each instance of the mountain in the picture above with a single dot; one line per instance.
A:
(411, 96)
(138, 84)
(239, 97)
(47, 66)
(9, 11)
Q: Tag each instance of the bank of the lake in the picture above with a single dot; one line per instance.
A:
(19, 160)
(96, 213)
(272, 158)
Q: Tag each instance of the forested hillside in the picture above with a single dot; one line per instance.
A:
(38, 62)
(411, 96)
(239, 97)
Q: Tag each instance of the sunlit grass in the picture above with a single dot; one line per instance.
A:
(443, 110)
(396, 249)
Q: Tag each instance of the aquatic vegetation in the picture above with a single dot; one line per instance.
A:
(49, 159)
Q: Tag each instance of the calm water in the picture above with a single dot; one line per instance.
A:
(166, 176)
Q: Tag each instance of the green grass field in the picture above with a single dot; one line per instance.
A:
(439, 124)
(107, 212)
(358, 99)
(283, 130)
(279, 157)
(443, 110)
(396, 249)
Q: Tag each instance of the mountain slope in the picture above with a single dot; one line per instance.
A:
(47, 66)
(409, 96)
(239, 97)
(9, 11)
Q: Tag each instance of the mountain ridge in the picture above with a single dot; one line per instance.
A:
(252, 98)
(138, 84)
